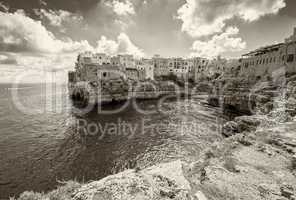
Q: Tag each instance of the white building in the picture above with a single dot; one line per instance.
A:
(178, 67)
(90, 58)
(127, 61)
(145, 68)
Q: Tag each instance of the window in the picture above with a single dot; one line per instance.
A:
(104, 74)
(290, 58)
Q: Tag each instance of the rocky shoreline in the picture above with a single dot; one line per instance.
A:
(256, 164)
(255, 160)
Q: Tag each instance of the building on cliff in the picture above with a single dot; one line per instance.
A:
(132, 74)
(161, 66)
(200, 68)
(216, 67)
(127, 61)
(145, 68)
(264, 61)
(179, 67)
(97, 58)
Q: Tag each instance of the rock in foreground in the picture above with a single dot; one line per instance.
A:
(165, 181)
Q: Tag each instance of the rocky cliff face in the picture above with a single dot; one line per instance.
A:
(244, 97)
(165, 181)
(255, 161)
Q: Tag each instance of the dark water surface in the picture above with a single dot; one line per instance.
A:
(46, 145)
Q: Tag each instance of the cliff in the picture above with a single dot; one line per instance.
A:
(121, 90)
(242, 96)
(256, 160)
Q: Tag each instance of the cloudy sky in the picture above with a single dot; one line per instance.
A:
(44, 36)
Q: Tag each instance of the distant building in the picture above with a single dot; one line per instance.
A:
(132, 74)
(161, 66)
(127, 61)
(178, 67)
(90, 58)
(109, 73)
(266, 60)
(200, 68)
(190, 64)
(146, 69)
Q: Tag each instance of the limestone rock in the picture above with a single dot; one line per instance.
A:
(230, 128)
(200, 196)
(288, 191)
(165, 181)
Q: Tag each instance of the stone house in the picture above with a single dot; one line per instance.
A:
(90, 58)
(109, 73)
(132, 74)
(161, 66)
(265, 61)
(200, 68)
(145, 69)
(126, 61)
(178, 67)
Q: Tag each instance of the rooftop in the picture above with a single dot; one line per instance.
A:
(264, 50)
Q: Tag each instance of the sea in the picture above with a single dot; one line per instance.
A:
(46, 139)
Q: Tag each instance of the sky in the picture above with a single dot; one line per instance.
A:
(39, 38)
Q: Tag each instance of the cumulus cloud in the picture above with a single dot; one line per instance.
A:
(3, 57)
(3, 7)
(225, 42)
(29, 46)
(7, 59)
(19, 33)
(123, 45)
(58, 17)
(42, 2)
(122, 8)
(206, 17)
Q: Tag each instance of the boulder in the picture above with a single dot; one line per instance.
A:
(248, 123)
(165, 181)
(230, 128)
(214, 100)
(288, 191)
